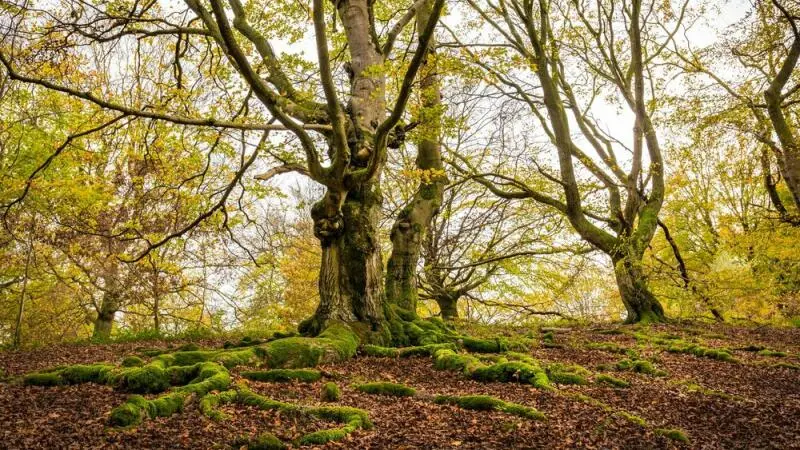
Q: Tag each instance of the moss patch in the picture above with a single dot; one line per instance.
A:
(279, 375)
(264, 441)
(132, 361)
(673, 433)
(330, 392)
(385, 388)
(639, 366)
(567, 374)
(611, 381)
(487, 403)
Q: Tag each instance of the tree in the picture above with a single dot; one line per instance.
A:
(547, 38)
(355, 133)
(414, 221)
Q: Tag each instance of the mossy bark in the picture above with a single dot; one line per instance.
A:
(448, 306)
(413, 222)
(350, 281)
(105, 316)
(641, 304)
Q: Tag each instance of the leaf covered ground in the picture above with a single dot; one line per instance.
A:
(693, 399)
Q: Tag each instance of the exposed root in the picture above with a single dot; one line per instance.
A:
(351, 418)
(195, 372)
(487, 403)
(385, 388)
(279, 375)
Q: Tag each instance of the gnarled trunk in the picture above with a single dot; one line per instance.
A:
(641, 304)
(448, 306)
(350, 281)
(105, 316)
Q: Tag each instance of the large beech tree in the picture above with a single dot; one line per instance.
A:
(566, 55)
(216, 65)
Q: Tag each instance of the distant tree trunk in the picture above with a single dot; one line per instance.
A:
(413, 222)
(105, 316)
(21, 309)
(770, 184)
(448, 306)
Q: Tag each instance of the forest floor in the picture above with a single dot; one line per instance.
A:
(752, 401)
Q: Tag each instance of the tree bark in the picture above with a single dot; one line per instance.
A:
(105, 316)
(350, 282)
(641, 304)
(413, 222)
(448, 307)
(790, 151)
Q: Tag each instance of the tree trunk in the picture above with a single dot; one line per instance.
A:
(105, 316)
(790, 151)
(641, 304)
(350, 281)
(770, 184)
(413, 222)
(448, 307)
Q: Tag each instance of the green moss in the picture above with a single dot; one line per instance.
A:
(701, 351)
(773, 353)
(513, 371)
(639, 366)
(93, 373)
(166, 405)
(611, 381)
(266, 441)
(152, 352)
(126, 415)
(210, 402)
(42, 379)
(673, 433)
(632, 418)
(567, 374)
(449, 360)
(426, 350)
(352, 418)
(385, 388)
(406, 352)
(497, 345)
(132, 361)
(380, 352)
(144, 380)
(548, 337)
(324, 436)
(487, 403)
(277, 375)
(330, 392)
(607, 347)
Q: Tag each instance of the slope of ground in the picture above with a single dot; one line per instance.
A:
(752, 400)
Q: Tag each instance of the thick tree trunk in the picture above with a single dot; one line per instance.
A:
(103, 325)
(641, 304)
(350, 282)
(448, 307)
(414, 220)
(105, 316)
